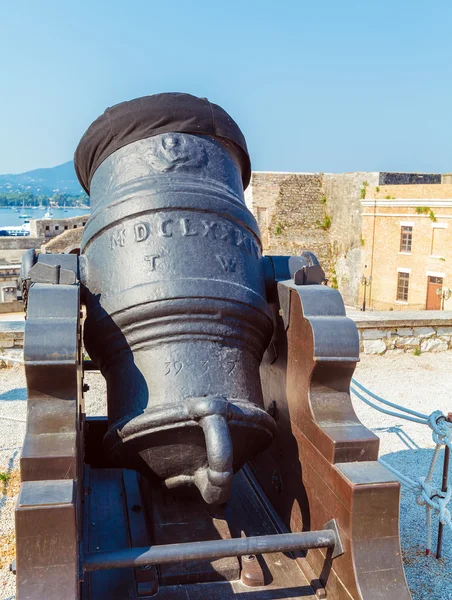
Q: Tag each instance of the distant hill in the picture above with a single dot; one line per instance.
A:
(61, 179)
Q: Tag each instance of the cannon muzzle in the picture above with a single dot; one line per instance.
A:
(177, 318)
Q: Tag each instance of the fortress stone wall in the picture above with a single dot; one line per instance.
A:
(49, 228)
(353, 221)
(290, 213)
(319, 212)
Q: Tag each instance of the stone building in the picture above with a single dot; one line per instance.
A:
(389, 227)
(331, 215)
(12, 248)
(67, 242)
(8, 282)
(320, 212)
(11, 252)
(289, 211)
(407, 246)
(42, 232)
(49, 228)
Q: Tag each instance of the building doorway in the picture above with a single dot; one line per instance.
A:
(434, 297)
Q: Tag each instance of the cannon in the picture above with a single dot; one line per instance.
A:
(230, 461)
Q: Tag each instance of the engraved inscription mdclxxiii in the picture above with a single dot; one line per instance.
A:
(188, 228)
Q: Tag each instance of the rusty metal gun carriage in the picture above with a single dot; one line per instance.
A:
(231, 462)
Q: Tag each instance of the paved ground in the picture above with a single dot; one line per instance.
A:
(13, 413)
(421, 382)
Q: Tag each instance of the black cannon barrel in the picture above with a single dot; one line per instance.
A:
(177, 318)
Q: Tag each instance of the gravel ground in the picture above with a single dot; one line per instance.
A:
(423, 383)
(13, 414)
(420, 382)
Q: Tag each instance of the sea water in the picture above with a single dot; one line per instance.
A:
(9, 217)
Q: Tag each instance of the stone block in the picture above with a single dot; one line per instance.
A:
(374, 347)
(404, 331)
(7, 335)
(423, 332)
(444, 330)
(374, 334)
(11, 358)
(404, 342)
(434, 345)
(6, 343)
(395, 351)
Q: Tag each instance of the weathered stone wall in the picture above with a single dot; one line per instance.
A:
(317, 212)
(8, 288)
(290, 213)
(11, 251)
(42, 230)
(342, 195)
(12, 338)
(13, 248)
(11, 343)
(66, 242)
(328, 214)
(48, 228)
(19, 243)
(11, 307)
(389, 332)
(391, 340)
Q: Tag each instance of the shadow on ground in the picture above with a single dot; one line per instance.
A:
(14, 394)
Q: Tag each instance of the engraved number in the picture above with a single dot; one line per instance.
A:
(205, 365)
(231, 365)
(174, 367)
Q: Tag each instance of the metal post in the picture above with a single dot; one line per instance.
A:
(365, 281)
(170, 553)
(439, 546)
(444, 294)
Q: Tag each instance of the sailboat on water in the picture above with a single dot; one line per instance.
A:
(23, 215)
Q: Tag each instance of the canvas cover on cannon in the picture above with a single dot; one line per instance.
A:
(230, 461)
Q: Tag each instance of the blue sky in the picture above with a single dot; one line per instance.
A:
(315, 85)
